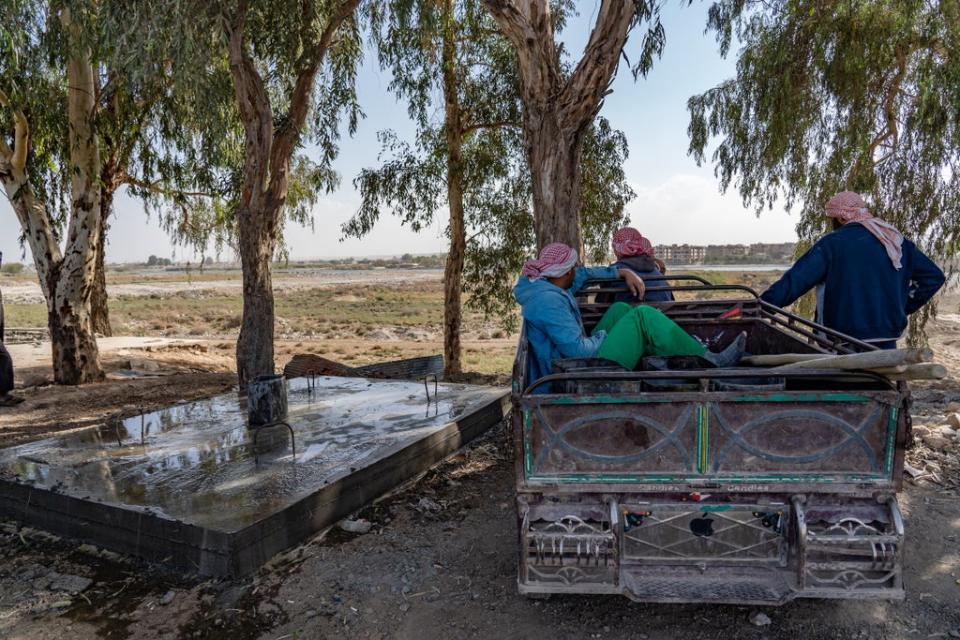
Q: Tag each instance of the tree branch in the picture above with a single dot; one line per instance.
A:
(530, 29)
(588, 85)
(308, 65)
(503, 124)
(17, 157)
(890, 129)
(253, 103)
(157, 187)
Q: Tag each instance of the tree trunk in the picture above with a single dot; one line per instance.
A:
(558, 108)
(266, 175)
(257, 243)
(99, 309)
(453, 272)
(75, 355)
(553, 152)
(75, 352)
(74, 345)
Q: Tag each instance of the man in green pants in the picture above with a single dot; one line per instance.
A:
(624, 335)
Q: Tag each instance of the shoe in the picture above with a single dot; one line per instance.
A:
(10, 400)
(729, 356)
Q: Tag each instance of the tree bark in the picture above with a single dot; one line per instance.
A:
(266, 176)
(75, 354)
(558, 110)
(453, 272)
(99, 305)
(553, 153)
(257, 242)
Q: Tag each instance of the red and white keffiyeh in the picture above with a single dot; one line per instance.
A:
(629, 242)
(554, 261)
(848, 206)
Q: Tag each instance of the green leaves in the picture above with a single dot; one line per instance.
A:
(411, 179)
(861, 95)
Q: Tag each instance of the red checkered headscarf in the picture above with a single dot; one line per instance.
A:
(555, 260)
(848, 206)
(629, 242)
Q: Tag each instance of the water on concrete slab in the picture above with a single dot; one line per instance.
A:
(196, 463)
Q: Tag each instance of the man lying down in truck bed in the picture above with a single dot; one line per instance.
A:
(625, 334)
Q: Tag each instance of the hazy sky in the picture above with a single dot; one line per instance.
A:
(676, 201)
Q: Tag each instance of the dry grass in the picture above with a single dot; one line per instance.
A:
(357, 324)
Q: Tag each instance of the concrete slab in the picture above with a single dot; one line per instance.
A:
(184, 486)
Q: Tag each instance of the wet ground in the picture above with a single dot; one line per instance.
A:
(194, 480)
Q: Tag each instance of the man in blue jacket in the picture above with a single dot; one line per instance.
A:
(869, 278)
(624, 335)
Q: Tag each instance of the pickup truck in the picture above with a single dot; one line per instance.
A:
(680, 483)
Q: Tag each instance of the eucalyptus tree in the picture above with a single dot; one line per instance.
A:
(134, 110)
(560, 104)
(82, 115)
(446, 57)
(50, 165)
(261, 79)
(833, 95)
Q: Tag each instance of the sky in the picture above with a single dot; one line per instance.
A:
(677, 202)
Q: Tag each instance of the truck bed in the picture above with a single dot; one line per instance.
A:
(667, 472)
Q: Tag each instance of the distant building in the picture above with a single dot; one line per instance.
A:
(760, 253)
(681, 253)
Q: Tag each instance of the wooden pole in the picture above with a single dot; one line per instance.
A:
(869, 360)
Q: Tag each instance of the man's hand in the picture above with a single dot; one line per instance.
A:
(660, 266)
(634, 283)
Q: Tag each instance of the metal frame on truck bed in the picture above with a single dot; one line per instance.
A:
(685, 484)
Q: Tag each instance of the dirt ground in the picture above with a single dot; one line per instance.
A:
(437, 568)
(440, 561)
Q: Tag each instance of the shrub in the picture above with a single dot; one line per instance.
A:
(12, 268)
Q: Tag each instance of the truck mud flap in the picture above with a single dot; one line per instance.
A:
(563, 552)
(850, 552)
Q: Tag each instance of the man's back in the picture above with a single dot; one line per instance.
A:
(864, 295)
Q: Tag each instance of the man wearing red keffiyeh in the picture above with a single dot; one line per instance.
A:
(624, 335)
(636, 253)
(867, 276)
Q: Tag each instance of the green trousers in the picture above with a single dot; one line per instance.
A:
(636, 332)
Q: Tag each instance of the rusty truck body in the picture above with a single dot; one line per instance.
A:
(688, 484)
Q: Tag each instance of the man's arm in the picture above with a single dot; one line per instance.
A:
(561, 326)
(634, 282)
(589, 273)
(808, 272)
(925, 281)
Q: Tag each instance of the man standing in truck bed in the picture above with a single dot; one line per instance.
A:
(869, 278)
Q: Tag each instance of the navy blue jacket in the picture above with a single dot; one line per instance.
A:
(645, 267)
(864, 296)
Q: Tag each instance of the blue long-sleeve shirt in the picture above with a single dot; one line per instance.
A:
(554, 326)
(864, 296)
